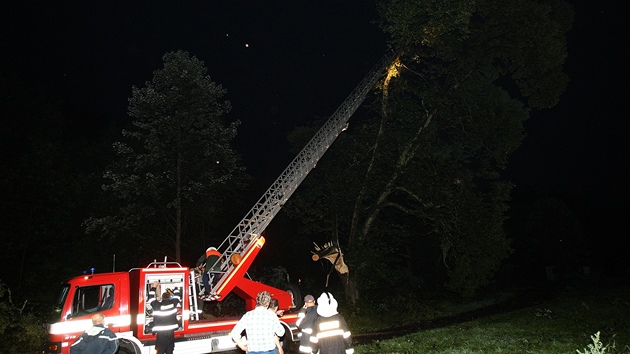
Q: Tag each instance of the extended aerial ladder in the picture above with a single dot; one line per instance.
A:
(241, 246)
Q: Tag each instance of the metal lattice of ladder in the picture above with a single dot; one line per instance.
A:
(192, 295)
(249, 230)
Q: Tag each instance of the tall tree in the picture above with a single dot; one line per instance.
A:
(175, 165)
(424, 169)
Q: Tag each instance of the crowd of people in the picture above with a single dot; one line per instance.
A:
(323, 329)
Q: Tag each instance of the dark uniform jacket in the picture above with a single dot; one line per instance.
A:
(331, 336)
(306, 316)
(96, 340)
(165, 315)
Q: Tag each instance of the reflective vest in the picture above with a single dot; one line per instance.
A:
(165, 315)
(212, 257)
(331, 336)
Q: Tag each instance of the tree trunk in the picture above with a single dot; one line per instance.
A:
(178, 211)
(178, 235)
(350, 288)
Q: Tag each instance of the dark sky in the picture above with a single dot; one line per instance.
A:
(285, 62)
(580, 147)
(282, 62)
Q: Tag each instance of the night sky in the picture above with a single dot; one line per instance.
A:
(580, 146)
(282, 62)
(285, 62)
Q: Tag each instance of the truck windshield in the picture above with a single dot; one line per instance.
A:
(59, 301)
(91, 299)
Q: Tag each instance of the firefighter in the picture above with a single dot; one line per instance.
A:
(165, 323)
(207, 262)
(330, 331)
(304, 322)
(96, 340)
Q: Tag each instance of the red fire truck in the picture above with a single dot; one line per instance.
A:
(124, 297)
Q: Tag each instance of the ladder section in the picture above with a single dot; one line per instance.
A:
(192, 295)
(247, 234)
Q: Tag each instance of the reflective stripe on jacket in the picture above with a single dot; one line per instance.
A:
(331, 335)
(165, 315)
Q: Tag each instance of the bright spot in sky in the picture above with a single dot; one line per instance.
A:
(246, 45)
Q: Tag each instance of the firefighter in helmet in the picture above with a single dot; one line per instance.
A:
(212, 268)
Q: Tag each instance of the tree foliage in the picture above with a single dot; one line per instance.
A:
(21, 329)
(417, 183)
(175, 164)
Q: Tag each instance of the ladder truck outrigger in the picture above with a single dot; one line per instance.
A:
(123, 297)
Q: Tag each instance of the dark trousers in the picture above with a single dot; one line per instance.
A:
(206, 281)
(165, 342)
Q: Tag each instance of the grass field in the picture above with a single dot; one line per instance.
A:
(563, 324)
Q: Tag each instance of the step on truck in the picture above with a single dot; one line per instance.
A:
(124, 297)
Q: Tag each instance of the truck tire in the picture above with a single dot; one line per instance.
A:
(296, 295)
(288, 345)
(127, 347)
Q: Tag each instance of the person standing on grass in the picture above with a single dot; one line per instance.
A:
(261, 327)
(304, 322)
(330, 331)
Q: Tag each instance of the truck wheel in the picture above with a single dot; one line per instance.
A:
(286, 342)
(296, 295)
(127, 348)
(288, 346)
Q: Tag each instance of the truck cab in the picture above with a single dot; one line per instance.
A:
(84, 296)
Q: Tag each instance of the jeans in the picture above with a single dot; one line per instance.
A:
(272, 351)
